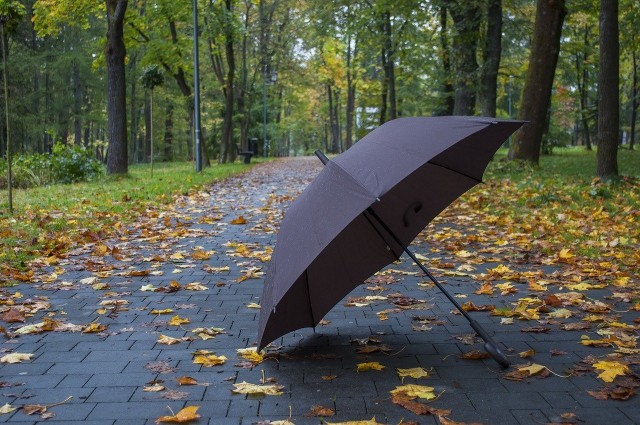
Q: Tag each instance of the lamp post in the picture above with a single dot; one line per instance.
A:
(196, 91)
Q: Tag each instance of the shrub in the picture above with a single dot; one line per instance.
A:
(65, 164)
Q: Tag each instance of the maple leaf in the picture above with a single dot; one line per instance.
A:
(409, 403)
(413, 390)
(533, 369)
(610, 370)
(16, 357)
(251, 354)
(187, 414)
(365, 367)
(163, 311)
(195, 286)
(415, 373)
(254, 389)
(167, 340)
(13, 315)
(178, 321)
(94, 328)
(199, 254)
(209, 360)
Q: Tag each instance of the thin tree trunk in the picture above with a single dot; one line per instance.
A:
(608, 91)
(351, 94)
(448, 100)
(536, 96)
(117, 162)
(227, 127)
(77, 105)
(147, 127)
(634, 100)
(491, 56)
(168, 133)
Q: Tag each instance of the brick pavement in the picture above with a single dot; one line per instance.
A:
(106, 373)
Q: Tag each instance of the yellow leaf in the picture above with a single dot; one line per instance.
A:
(164, 339)
(7, 408)
(94, 327)
(177, 256)
(412, 390)
(528, 353)
(239, 220)
(156, 388)
(177, 321)
(209, 360)
(365, 367)
(464, 254)
(185, 415)
(202, 255)
(485, 289)
(253, 389)
(148, 288)
(535, 286)
(195, 286)
(251, 354)
(253, 305)
(416, 373)
(611, 369)
(16, 357)
(561, 313)
(163, 311)
(534, 369)
(187, 380)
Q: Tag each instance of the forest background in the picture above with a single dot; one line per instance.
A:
(285, 77)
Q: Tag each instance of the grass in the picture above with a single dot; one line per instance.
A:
(50, 220)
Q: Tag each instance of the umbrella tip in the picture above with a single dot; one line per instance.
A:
(322, 157)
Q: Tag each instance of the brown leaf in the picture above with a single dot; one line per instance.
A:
(320, 411)
(30, 409)
(401, 399)
(536, 329)
(475, 355)
(13, 315)
(187, 380)
(615, 393)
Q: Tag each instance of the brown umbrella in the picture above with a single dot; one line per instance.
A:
(363, 209)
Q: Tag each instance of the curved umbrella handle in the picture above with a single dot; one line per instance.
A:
(413, 208)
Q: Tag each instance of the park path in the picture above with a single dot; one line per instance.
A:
(103, 323)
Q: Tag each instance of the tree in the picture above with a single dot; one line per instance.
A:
(491, 58)
(51, 15)
(608, 91)
(536, 96)
(11, 12)
(466, 19)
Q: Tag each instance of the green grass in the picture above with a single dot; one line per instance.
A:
(50, 220)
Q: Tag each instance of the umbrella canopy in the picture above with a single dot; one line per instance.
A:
(405, 172)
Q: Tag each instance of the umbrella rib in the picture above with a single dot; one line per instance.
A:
(455, 171)
(381, 235)
(306, 278)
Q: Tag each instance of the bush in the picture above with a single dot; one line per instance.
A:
(66, 164)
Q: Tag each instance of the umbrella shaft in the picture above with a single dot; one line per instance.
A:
(419, 264)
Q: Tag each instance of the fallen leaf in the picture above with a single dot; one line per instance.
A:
(253, 305)
(239, 220)
(94, 328)
(209, 360)
(16, 357)
(253, 389)
(409, 403)
(167, 340)
(163, 311)
(185, 415)
(413, 390)
(365, 367)
(178, 321)
(372, 421)
(155, 388)
(13, 315)
(533, 369)
(320, 411)
(251, 354)
(610, 370)
(148, 288)
(475, 355)
(526, 354)
(7, 408)
(415, 373)
(187, 380)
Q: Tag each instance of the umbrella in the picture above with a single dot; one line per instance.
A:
(363, 209)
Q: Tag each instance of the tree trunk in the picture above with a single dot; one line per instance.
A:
(168, 133)
(583, 81)
(351, 94)
(446, 108)
(536, 96)
(491, 57)
(77, 105)
(227, 126)
(634, 100)
(608, 91)
(147, 127)
(466, 18)
(133, 112)
(117, 162)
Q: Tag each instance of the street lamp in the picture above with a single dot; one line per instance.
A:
(266, 81)
(196, 91)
